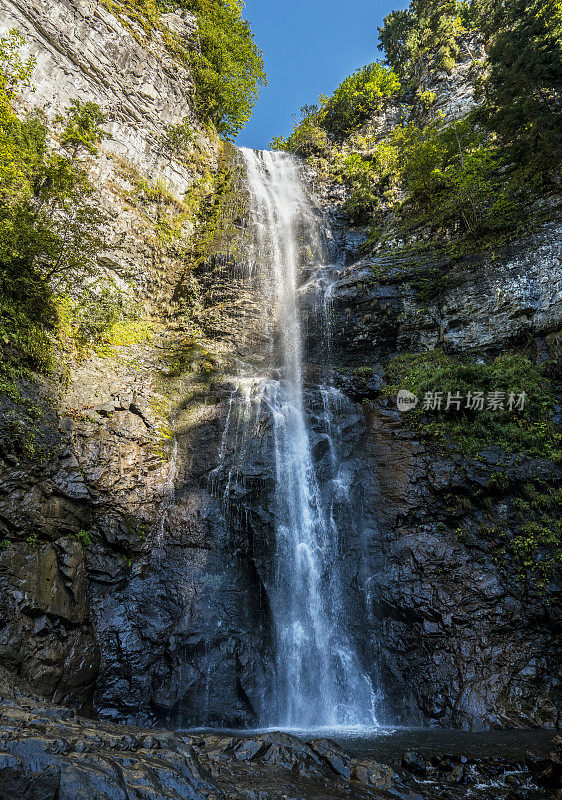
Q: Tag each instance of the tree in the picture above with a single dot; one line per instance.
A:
(228, 70)
(356, 97)
(523, 89)
(14, 71)
(308, 138)
(427, 27)
(49, 227)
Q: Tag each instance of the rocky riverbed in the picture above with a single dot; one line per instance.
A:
(47, 752)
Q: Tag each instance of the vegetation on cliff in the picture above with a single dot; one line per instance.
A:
(474, 172)
(526, 428)
(229, 69)
(523, 80)
(335, 117)
(226, 64)
(501, 411)
(49, 228)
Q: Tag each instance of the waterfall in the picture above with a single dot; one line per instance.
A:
(319, 678)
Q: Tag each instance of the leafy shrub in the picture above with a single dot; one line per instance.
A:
(530, 430)
(228, 71)
(177, 141)
(357, 97)
(449, 172)
(82, 127)
(49, 229)
(369, 178)
(85, 538)
(308, 137)
(427, 27)
(14, 71)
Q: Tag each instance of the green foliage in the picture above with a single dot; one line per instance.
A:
(529, 431)
(307, 139)
(86, 318)
(47, 224)
(49, 228)
(370, 178)
(24, 341)
(123, 333)
(20, 146)
(356, 98)
(82, 127)
(229, 70)
(535, 539)
(426, 28)
(14, 71)
(454, 172)
(448, 172)
(523, 86)
(178, 142)
(85, 538)
(522, 89)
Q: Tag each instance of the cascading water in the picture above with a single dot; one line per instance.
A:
(319, 680)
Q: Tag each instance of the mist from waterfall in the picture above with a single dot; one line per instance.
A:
(319, 680)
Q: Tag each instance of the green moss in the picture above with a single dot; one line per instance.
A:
(363, 373)
(125, 333)
(535, 542)
(182, 360)
(529, 431)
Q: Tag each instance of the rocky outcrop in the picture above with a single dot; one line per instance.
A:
(117, 588)
(473, 643)
(84, 52)
(392, 303)
(452, 91)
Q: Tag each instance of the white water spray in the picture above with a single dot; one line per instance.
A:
(319, 678)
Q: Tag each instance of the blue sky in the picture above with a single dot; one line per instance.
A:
(309, 46)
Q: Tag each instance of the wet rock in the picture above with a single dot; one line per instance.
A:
(415, 763)
(249, 748)
(547, 770)
(371, 773)
(333, 755)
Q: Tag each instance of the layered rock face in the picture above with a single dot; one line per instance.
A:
(117, 590)
(482, 306)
